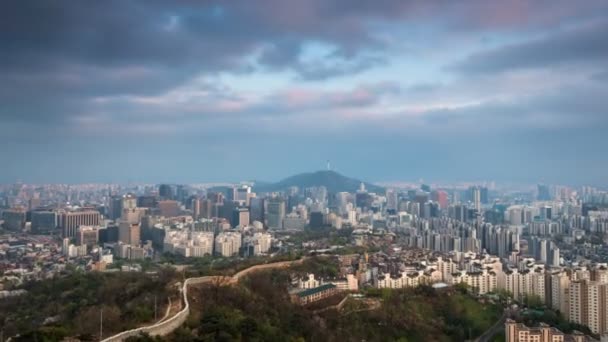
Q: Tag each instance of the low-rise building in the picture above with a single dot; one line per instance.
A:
(314, 294)
(518, 332)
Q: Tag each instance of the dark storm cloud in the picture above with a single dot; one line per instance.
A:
(581, 44)
(85, 78)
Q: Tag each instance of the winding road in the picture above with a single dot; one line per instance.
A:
(166, 326)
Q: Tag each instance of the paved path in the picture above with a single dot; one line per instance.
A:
(166, 326)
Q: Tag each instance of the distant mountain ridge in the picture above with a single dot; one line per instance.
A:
(333, 181)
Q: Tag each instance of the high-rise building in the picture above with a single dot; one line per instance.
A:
(69, 221)
(168, 208)
(165, 191)
(129, 201)
(146, 201)
(129, 233)
(14, 219)
(240, 217)
(544, 194)
(363, 199)
(115, 208)
(440, 197)
(258, 243)
(275, 213)
(316, 219)
(477, 199)
(206, 209)
(87, 236)
(294, 221)
(132, 215)
(241, 194)
(34, 203)
(391, 199)
(483, 195)
(43, 221)
(227, 244)
(560, 284)
(256, 209)
(589, 304)
(188, 244)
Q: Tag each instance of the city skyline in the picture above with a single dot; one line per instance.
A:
(393, 91)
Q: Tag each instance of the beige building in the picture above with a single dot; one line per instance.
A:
(129, 233)
(589, 305)
(168, 208)
(69, 221)
(87, 236)
(518, 332)
(228, 244)
(560, 284)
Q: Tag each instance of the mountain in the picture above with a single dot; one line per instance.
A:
(333, 181)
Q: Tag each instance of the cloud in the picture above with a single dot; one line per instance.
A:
(180, 82)
(582, 44)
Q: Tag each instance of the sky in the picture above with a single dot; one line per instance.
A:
(387, 90)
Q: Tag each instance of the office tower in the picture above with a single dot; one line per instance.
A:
(181, 194)
(477, 199)
(546, 213)
(115, 207)
(226, 211)
(14, 219)
(43, 221)
(275, 213)
(256, 209)
(168, 208)
(440, 197)
(146, 201)
(544, 194)
(206, 209)
(363, 200)
(108, 234)
(241, 194)
(216, 197)
(293, 221)
(129, 201)
(316, 219)
(195, 205)
(69, 221)
(33, 203)
(132, 215)
(165, 191)
(391, 199)
(227, 244)
(341, 202)
(129, 233)
(426, 210)
(240, 217)
(88, 236)
(483, 195)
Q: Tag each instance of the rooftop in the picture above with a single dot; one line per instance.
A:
(314, 290)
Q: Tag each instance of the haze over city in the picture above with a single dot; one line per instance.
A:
(303, 170)
(153, 91)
